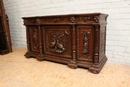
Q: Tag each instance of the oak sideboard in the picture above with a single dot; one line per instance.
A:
(78, 40)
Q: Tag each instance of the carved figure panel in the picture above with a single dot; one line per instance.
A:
(58, 41)
(34, 38)
(85, 43)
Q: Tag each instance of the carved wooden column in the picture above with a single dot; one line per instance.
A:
(96, 44)
(73, 62)
(40, 56)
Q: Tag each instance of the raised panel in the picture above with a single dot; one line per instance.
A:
(102, 42)
(57, 40)
(85, 39)
(34, 38)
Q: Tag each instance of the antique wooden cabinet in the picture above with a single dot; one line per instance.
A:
(77, 40)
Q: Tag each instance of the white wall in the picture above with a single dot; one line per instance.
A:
(118, 29)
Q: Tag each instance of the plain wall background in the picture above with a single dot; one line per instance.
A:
(118, 28)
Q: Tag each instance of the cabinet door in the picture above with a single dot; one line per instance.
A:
(57, 40)
(85, 42)
(33, 33)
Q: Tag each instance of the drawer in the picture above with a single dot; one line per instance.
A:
(31, 21)
(57, 20)
(87, 19)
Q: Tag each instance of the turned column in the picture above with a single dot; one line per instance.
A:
(96, 44)
(73, 62)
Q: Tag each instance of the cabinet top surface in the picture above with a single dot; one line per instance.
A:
(85, 14)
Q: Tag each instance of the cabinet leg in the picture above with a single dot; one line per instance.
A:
(28, 55)
(96, 68)
(40, 57)
(73, 64)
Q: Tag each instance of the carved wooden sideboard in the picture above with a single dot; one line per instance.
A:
(77, 40)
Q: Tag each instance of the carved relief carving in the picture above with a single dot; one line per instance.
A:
(57, 41)
(86, 38)
(35, 39)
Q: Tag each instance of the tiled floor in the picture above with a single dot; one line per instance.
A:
(18, 71)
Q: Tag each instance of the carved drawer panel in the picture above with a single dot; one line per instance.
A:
(57, 20)
(31, 21)
(85, 43)
(87, 19)
(57, 40)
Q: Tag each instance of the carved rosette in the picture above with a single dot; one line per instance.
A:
(72, 19)
(57, 41)
(86, 38)
(35, 39)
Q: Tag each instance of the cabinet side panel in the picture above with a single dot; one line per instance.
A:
(102, 42)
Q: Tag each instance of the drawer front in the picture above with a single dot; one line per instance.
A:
(57, 40)
(31, 21)
(85, 43)
(57, 20)
(34, 38)
(87, 19)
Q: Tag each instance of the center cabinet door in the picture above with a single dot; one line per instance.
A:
(57, 41)
(85, 43)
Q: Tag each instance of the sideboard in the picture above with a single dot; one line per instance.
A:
(78, 40)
